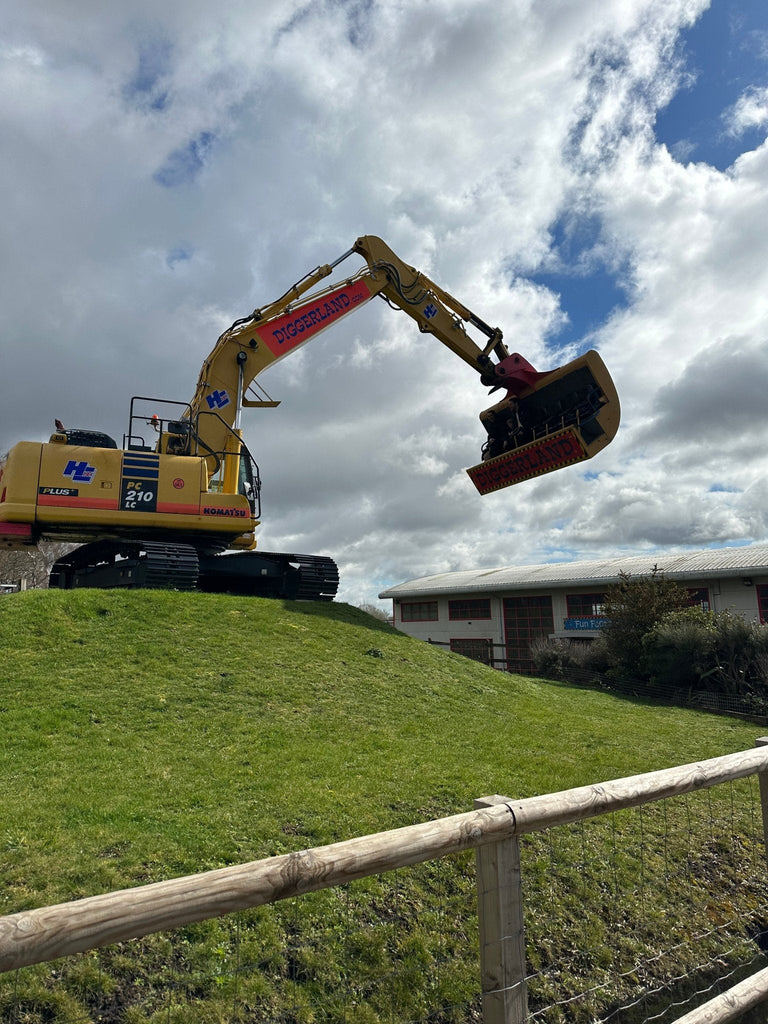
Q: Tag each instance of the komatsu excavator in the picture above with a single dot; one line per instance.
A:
(177, 505)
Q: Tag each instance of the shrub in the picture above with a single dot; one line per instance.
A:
(551, 658)
(734, 650)
(679, 650)
(718, 651)
(593, 655)
(760, 640)
(569, 659)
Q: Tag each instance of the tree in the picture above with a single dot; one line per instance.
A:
(375, 611)
(633, 606)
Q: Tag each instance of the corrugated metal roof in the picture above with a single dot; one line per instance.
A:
(690, 564)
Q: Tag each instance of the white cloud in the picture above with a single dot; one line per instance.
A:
(175, 166)
(749, 111)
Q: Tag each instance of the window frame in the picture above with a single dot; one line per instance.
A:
(464, 603)
(432, 605)
(479, 642)
(526, 618)
(703, 602)
(596, 600)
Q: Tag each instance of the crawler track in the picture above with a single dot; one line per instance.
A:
(168, 566)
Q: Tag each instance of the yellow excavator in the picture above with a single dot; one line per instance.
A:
(177, 505)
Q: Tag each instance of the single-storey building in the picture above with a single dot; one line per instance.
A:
(494, 615)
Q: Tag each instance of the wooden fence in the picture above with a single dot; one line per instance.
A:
(492, 829)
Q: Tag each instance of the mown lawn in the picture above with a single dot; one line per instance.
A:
(149, 735)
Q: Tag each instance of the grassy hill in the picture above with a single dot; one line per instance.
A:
(149, 735)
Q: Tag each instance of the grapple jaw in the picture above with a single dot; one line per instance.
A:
(546, 421)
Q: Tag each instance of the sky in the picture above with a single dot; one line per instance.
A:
(582, 174)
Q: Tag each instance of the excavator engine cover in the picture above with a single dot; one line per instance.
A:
(564, 416)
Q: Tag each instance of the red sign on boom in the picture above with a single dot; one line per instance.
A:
(302, 323)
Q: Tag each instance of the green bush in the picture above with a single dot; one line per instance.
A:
(719, 651)
(680, 649)
(593, 656)
(569, 659)
(736, 641)
(551, 658)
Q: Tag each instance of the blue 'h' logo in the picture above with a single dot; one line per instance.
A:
(217, 399)
(80, 472)
(430, 311)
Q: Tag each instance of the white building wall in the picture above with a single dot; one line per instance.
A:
(733, 594)
(445, 629)
(736, 596)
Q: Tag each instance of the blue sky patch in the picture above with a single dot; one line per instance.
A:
(184, 164)
(147, 87)
(358, 16)
(726, 52)
(722, 489)
(179, 254)
(589, 289)
(587, 299)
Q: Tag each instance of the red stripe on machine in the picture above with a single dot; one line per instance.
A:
(177, 508)
(15, 530)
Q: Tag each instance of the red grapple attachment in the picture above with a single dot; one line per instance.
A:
(515, 374)
(547, 420)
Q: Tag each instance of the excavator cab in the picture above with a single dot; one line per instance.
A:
(546, 420)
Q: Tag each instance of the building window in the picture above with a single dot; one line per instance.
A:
(698, 597)
(478, 650)
(525, 620)
(585, 606)
(470, 608)
(762, 601)
(419, 611)
(585, 611)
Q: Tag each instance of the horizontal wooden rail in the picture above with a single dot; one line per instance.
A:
(732, 1004)
(34, 936)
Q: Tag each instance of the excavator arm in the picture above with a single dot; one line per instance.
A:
(545, 421)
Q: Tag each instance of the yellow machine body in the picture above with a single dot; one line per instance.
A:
(80, 493)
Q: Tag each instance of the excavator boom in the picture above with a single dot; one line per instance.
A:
(578, 398)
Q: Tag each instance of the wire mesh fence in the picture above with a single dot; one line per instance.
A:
(639, 915)
(632, 917)
(401, 946)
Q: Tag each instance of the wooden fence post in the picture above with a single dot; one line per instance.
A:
(502, 929)
(762, 741)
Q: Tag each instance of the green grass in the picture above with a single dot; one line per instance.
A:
(149, 735)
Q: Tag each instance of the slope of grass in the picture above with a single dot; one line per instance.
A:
(148, 735)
